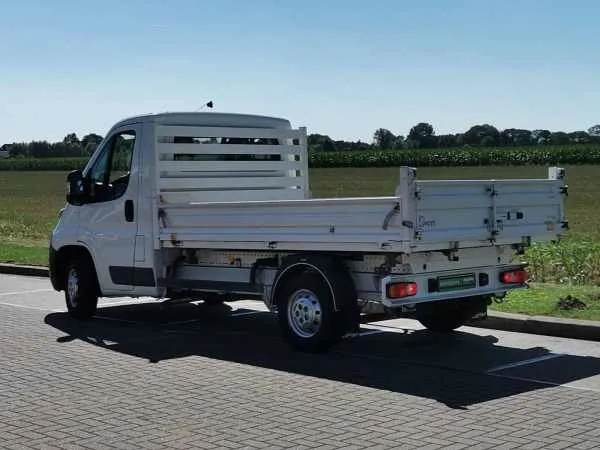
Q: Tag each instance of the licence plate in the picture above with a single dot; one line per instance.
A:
(456, 282)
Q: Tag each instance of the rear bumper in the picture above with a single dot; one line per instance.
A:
(486, 284)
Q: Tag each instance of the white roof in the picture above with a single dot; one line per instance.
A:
(209, 119)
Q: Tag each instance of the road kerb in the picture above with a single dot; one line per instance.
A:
(543, 325)
(19, 269)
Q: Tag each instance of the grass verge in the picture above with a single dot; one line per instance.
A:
(556, 300)
(34, 255)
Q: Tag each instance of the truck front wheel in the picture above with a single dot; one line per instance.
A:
(448, 315)
(81, 294)
(306, 313)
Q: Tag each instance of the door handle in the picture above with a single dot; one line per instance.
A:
(129, 210)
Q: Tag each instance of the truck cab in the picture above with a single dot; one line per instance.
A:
(108, 219)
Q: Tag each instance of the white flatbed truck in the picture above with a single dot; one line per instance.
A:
(216, 207)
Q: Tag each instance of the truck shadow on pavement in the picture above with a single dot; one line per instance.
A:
(457, 369)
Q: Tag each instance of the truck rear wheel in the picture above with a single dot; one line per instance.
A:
(81, 294)
(448, 315)
(213, 300)
(306, 313)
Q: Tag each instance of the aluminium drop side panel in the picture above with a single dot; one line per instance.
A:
(345, 224)
(532, 208)
(449, 211)
(486, 212)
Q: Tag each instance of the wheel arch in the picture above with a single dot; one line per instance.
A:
(62, 258)
(330, 268)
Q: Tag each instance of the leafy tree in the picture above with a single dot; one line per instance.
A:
(61, 149)
(399, 143)
(40, 149)
(350, 146)
(411, 144)
(329, 146)
(316, 141)
(384, 138)
(424, 134)
(482, 135)
(541, 136)
(90, 142)
(17, 149)
(488, 141)
(559, 138)
(71, 146)
(447, 141)
(594, 131)
(515, 137)
(594, 134)
(579, 137)
(71, 139)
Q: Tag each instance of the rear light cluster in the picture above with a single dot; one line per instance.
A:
(514, 277)
(401, 290)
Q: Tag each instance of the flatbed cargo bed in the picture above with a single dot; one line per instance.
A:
(425, 216)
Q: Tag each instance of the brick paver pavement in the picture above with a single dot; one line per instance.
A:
(225, 383)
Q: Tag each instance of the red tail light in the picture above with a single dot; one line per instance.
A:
(514, 277)
(401, 290)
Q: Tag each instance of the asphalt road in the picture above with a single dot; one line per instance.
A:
(147, 375)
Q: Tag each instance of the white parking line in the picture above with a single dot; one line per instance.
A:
(33, 291)
(386, 328)
(526, 362)
(547, 383)
(123, 302)
(530, 380)
(14, 305)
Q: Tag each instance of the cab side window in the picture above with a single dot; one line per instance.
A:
(109, 176)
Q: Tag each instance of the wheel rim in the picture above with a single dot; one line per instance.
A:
(72, 287)
(304, 313)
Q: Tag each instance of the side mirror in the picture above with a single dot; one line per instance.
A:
(76, 190)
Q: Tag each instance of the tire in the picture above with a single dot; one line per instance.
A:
(447, 316)
(306, 313)
(81, 293)
(213, 300)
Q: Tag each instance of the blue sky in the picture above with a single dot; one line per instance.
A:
(342, 68)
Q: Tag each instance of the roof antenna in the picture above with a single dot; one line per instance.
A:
(206, 105)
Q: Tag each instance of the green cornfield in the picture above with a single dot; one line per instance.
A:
(501, 156)
(476, 156)
(42, 163)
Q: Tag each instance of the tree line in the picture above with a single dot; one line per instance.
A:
(422, 135)
(70, 146)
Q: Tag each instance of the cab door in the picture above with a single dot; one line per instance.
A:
(108, 224)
